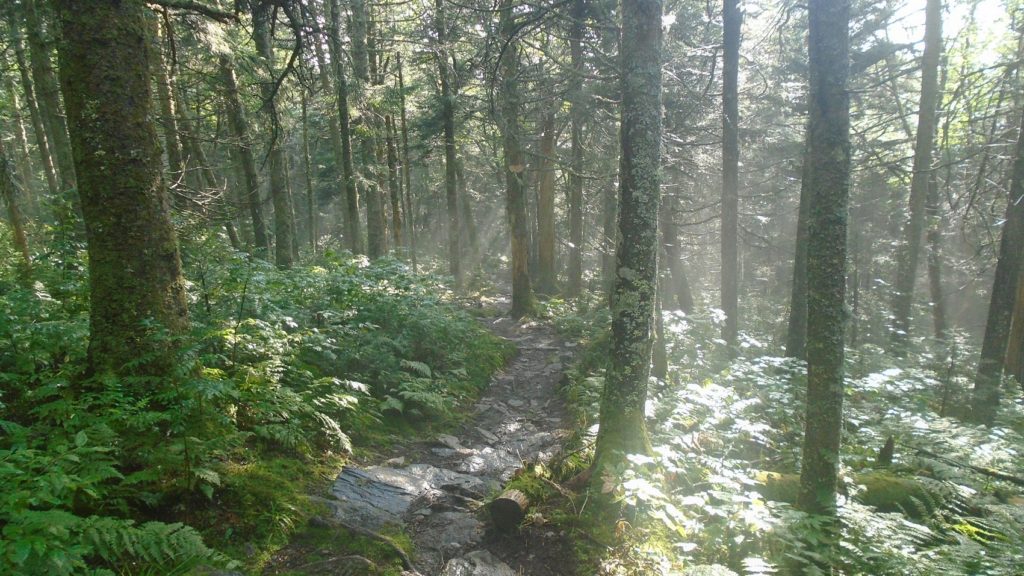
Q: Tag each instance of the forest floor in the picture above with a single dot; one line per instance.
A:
(429, 496)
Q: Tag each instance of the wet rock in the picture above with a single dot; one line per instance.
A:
(478, 563)
(449, 441)
(375, 497)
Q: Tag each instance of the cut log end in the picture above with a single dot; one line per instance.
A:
(509, 509)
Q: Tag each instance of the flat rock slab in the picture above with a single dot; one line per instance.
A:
(381, 496)
(477, 563)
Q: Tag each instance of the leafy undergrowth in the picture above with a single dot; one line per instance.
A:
(282, 375)
(717, 493)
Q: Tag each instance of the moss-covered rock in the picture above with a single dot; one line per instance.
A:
(916, 497)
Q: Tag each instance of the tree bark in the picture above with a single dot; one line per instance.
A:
(135, 276)
(796, 335)
(1015, 345)
(38, 128)
(168, 117)
(673, 255)
(622, 427)
(23, 163)
(934, 238)
(732, 20)
(406, 167)
(985, 401)
(546, 209)
(828, 174)
(48, 97)
(353, 232)
(514, 163)
(394, 184)
(609, 238)
(574, 280)
(910, 247)
(448, 120)
(9, 194)
(280, 193)
(250, 178)
(311, 220)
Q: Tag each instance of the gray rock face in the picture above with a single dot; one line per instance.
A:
(478, 563)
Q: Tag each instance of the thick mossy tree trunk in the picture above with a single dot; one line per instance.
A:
(450, 162)
(135, 280)
(910, 246)
(622, 427)
(828, 184)
(239, 124)
(1004, 293)
(732, 19)
(574, 281)
(514, 162)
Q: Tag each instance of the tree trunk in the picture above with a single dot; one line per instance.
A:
(1004, 292)
(394, 185)
(622, 426)
(168, 117)
(934, 238)
(910, 247)
(828, 186)
(574, 282)
(406, 168)
(9, 195)
(48, 97)
(38, 128)
(353, 233)
(470, 236)
(732, 19)
(448, 119)
(250, 178)
(1015, 345)
(514, 163)
(609, 237)
(24, 162)
(546, 209)
(135, 273)
(673, 255)
(311, 223)
(796, 335)
(280, 194)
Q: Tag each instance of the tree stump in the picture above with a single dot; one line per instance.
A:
(509, 509)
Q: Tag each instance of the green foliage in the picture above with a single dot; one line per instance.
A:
(279, 370)
(718, 488)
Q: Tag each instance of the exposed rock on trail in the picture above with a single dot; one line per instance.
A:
(437, 496)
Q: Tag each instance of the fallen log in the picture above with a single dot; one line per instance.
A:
(509, 509)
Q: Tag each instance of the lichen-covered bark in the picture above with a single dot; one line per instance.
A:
(1004, 293)
(240, 130)
(622, 427)
(514, 163)
(828, 175)
(353, 232)
(574, 281)
(732, 19)
(909, 251)
(135, 279)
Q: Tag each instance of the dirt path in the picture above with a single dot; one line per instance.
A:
(436, 488)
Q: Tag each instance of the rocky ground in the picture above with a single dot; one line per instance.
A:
(435, 490)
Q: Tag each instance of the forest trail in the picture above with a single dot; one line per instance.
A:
(435, 489)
